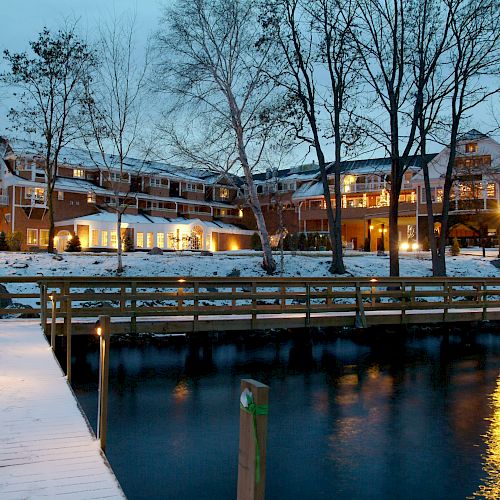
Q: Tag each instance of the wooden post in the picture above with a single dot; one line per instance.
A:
(248, 487)
(133, 307)
(68, 338)
(308, 305)
(53, 299)
(43, 307)
(103, 330)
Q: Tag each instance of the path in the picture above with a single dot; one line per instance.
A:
(46, 447)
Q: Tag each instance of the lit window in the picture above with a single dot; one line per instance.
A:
(44, 237)
(160, 240)
(113, 240)
(95, 238)
(471, 147)
(149, 241)
(91, 197)
(224, 193)
(240, 213)
(140, 240)
(32, 237)
(79, 173)
(490, 189)
(104, 238)
(171, 240)
(60, 195)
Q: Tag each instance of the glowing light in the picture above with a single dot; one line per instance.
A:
(404, 247)
(98, 330)
(371, 228)
(414, 247)
(181, 280)
(373, 280)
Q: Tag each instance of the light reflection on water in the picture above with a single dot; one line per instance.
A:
(490, 487)
(347, 420)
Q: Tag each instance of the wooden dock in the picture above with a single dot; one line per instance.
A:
(46, 447)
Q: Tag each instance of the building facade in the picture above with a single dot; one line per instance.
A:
(163, 205)
(186, 208)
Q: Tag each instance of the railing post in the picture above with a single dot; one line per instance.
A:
(133, 307)
(43, 306)
(103, 330)
(254, 402)
(68, 338)
(254, 305)
(308, 305)
(196, 303)
(360, 319)
(485, 301)
(53, 299)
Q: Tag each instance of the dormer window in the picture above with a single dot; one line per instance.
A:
(79, 173)
(472, 147)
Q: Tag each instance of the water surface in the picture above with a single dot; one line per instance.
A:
(415, 418)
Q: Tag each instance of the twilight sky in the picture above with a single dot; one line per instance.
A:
(22, 20)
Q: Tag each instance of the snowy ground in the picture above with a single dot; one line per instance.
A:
(46, 447)
(469, 263)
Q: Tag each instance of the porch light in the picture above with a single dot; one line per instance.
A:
(371, 228)
(404, 247)
(414, 247)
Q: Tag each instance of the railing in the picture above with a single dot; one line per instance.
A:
(362, 187)
(210, 303)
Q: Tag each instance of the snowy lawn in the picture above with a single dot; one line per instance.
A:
(469, 263)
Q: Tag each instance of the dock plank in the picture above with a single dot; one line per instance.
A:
(46, 447)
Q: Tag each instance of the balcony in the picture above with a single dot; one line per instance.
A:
(362, 187)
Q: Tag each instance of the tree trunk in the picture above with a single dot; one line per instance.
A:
(448, 183)
(119, 268)
(268, 263)
(393, 234)
(50, 191)
(428, 201)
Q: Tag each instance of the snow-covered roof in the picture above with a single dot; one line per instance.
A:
(127, 219)
(308, 190)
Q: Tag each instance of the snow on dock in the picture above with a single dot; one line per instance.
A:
(46, 447)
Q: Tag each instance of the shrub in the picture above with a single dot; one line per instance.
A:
(455, 247)
(3, 242)
(14, 241)
(128, 244)
(74, 244)
(425, 244)
(256, 243)
(302, 242)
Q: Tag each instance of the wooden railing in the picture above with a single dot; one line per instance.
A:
(135, 297)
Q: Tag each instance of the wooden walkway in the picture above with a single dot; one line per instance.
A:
(46, 447)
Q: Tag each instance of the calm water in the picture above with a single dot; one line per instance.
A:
(417, 420)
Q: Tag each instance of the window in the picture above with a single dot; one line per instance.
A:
(170, 240)
(79, 173)
(32, 237)
(472, 147)
(104, 238)
(94, 241)
(36, 194)
(117, 177)
(160, 240)
(140, 240)
(91, 197)
(60, 195)
(240, 213)
(113, 240)
(194, 187)
(44, 237)
(155, 182)
(150, 240)
(224, 193)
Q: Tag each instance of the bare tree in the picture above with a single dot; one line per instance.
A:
(384, 47)
(114, 115)
(49, 84)
(475, 29)
(313, 40)
(208, 61)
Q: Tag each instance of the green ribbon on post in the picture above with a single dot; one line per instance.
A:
(254, 410)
